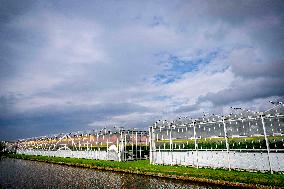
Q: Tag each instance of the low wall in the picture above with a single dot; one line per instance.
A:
(100, 155)
(221, 159)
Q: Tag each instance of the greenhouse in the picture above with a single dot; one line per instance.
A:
(118, 145)
(241, 140)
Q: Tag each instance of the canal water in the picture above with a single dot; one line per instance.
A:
(17, 173)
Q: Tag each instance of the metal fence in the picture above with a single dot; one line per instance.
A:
(118, 145)
(241, 140)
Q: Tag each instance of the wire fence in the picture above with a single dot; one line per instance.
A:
(241, 140)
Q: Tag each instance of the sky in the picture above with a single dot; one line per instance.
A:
(85, 65)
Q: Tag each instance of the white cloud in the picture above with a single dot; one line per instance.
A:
(192, 85)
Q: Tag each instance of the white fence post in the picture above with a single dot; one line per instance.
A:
(267, 142)
(136, 145)
(150, 141)
(195, 143)
(227, 143)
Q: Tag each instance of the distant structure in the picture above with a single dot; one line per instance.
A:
(7, 147)
(243, 139)
(118, 145)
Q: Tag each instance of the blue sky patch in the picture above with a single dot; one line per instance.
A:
(179, 66)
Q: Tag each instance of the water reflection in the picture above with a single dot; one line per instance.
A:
(15, 173)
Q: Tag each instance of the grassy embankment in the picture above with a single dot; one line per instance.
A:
(213, 176)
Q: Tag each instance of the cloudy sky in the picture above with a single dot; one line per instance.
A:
(82, 65)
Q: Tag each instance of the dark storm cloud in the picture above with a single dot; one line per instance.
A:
(8, 11)
(244, 91)
(263, 19)
(233, 12)
(190, 108)
(56, 119)
(254, 69)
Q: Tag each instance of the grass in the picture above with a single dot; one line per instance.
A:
(216, 176)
